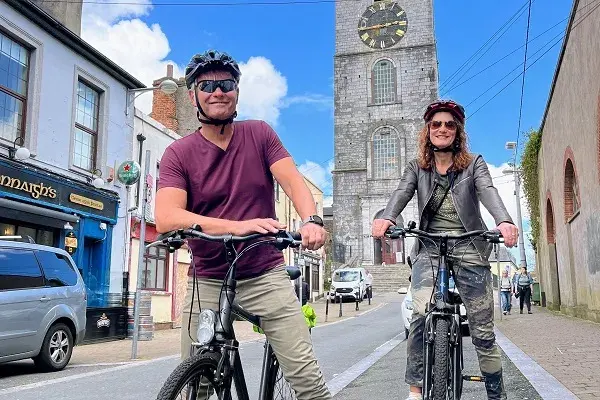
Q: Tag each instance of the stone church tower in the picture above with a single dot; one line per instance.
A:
(385, 72)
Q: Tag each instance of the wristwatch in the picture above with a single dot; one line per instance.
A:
(315, 219)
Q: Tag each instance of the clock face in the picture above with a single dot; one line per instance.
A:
(382, 25)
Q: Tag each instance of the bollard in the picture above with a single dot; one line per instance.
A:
(356, 309)
(369, 294)
(340, 300)
(327, 307)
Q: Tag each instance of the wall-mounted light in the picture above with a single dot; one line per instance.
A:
(22, 153)
(97, 182)
(168, 86)
(68, 226)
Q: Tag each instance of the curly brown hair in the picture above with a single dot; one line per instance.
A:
(461, 158)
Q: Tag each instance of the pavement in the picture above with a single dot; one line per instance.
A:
(568, 348)
(167, 342)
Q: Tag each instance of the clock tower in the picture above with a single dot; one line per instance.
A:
(385, 74)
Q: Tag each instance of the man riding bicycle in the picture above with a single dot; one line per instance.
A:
(221, 178)
(450, 182)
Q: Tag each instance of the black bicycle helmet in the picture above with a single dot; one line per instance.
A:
(211, 60)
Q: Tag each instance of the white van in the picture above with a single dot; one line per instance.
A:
(349, 283)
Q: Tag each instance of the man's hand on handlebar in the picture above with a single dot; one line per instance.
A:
(313, 236)
(380, 226)
(509, 232)
(257, 225)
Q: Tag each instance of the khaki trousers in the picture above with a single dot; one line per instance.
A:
(270, 296)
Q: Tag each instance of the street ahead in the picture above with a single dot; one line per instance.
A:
(360, 357)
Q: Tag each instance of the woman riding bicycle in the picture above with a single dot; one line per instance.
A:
(450, 182)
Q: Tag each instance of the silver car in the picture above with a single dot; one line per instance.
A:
(42, 304)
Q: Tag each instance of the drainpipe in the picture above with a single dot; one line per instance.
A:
(140, 137)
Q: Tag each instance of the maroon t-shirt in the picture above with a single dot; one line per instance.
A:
(234, 184)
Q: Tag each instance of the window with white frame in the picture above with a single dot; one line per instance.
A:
(14, 79)
(156, 269)
(86, 126)
(384, 82)
(385, 154)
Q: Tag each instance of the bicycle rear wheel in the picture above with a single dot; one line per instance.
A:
(440, 366)
(194, 379)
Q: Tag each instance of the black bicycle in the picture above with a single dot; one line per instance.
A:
(443, 353)
(214, 363)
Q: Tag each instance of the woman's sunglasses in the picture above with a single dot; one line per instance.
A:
(451, 125)
(226, 85)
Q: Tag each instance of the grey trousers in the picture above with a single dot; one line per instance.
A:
(270, 296)
(474, 283)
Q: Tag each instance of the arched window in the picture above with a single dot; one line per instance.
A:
(550, 232)
(572, 199)
(386, 155)
(383, 82)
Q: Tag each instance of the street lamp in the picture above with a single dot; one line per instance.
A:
(168, 86)
(517, 174)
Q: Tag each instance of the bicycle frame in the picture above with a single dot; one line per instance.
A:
(224, 340)
(442, 307)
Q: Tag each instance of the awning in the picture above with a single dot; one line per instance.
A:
(30, 213)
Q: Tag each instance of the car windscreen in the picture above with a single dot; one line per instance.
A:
(345, 276)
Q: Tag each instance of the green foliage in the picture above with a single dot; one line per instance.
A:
(529, 166)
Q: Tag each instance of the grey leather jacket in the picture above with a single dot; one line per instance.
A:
(471, 186)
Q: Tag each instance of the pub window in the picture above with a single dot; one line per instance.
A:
(154, 276)
(86, 126)
(14, 73)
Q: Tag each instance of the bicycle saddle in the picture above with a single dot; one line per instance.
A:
(293, 271)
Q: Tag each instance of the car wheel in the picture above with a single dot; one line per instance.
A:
(57, 349)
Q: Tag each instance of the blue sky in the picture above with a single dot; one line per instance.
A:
(287, 53)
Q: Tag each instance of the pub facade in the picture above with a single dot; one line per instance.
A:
(66, 124)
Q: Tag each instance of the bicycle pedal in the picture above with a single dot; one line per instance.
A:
(473, 378)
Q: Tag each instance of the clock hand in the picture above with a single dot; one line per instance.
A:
(366, 28)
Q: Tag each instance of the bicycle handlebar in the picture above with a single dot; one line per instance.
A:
(492, 236)
(175, 239)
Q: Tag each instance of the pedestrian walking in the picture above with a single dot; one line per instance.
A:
(524, 287)
(506, 289)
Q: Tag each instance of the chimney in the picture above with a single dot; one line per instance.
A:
(67, 13)
(164, 106)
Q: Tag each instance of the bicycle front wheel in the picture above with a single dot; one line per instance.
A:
(441, 356)
(278, 388)
(194, 379)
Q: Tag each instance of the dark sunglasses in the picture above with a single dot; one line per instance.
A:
(226, 85)
(451, 125)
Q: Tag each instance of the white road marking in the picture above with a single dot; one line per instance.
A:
(342, 380)
(69, 378)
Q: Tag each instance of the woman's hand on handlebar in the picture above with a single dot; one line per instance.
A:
(509, 232)
(380, 226)
(257, 225)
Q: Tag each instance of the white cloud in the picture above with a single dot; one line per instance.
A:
(138, 48)
(142, 50)
(320, 176)
(262, 89)
(505, 184)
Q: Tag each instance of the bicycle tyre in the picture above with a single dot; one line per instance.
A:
(441, 357)
(205, 363)
(275, 377)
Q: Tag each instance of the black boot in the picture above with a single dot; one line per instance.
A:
(494, 386)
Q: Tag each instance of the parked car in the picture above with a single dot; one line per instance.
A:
(42, 304)
(407, 309)
(348, 283)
